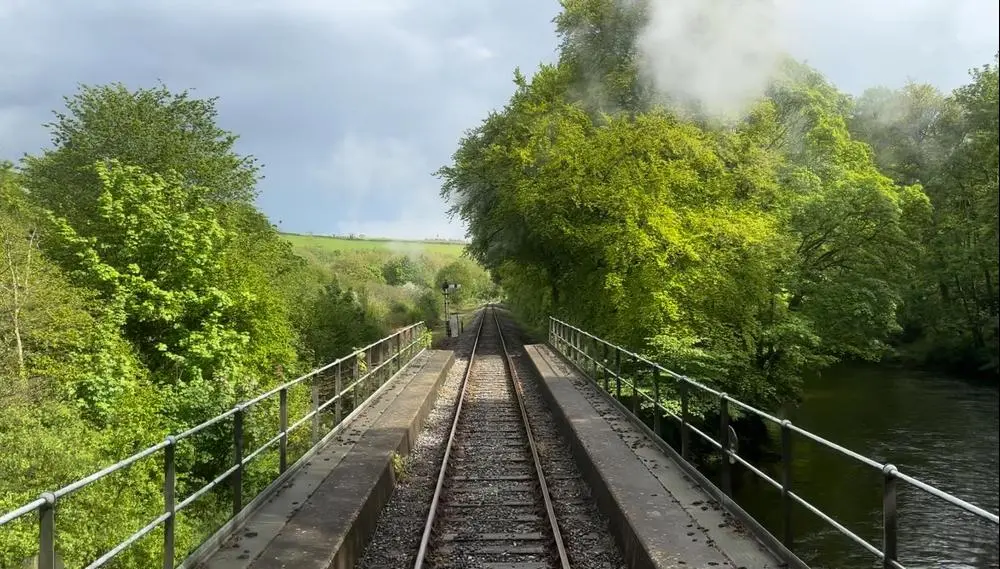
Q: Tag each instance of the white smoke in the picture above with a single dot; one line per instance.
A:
(713, 56)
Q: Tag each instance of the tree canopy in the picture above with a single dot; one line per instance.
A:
(748, 254)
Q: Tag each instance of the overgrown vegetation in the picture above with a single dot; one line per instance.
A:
(749, 253)
(142, 293)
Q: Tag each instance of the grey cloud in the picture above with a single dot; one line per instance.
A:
(297, 80)
(352, 103)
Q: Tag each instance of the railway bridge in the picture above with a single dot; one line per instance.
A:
(497, 454)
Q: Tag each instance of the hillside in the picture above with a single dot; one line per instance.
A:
(323, 243)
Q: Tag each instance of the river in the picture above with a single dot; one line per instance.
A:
(940, 430)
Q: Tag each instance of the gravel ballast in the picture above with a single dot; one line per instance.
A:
(490, 450)
(397, 536)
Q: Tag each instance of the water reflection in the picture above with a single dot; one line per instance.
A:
(940, 430)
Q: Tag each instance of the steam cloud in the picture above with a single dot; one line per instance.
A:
(713, 56)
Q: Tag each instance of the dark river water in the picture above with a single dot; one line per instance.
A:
(941, 430)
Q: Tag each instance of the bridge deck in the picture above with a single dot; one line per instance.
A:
(325, 514)
(661, 517)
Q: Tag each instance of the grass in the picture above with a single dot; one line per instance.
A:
(400, 466)
(322, 243)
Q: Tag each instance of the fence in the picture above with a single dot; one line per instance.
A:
(600, 357)
(365, 370)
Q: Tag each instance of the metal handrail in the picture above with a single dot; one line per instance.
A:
(393, 353)
(568, 340)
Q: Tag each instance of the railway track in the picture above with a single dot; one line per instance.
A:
(491, 507)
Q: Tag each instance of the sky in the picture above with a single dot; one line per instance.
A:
(352, 104)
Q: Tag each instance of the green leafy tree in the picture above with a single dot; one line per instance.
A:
(746, 255)
(153, 252)
(403, 269)
(471, 277)
(340, 324)
(948, 144)
(199, 281)
(66, 375)
(154, 129)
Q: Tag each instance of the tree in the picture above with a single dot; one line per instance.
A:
(56, 344)
(153, 252)
(401, 270)
(154, 129)
(745, 255)
(949, 145)
(161, 224)
(899, 125)
(462, 272)
(66, 375)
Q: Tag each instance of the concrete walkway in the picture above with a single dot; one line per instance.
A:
(661, 518)
(325, 514)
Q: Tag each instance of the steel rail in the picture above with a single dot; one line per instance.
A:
(549, 509)
(425, 539)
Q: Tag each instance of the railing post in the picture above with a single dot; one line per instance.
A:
(238, 460)
(685, 420)
(635, 387)
(399, 352)
(314, 396)
(656, 402)
(618, 374)
(578, 349)
(727, 474)
(283, 427)
(889, 516)
(338, 405)
(592, 355)
(47, 532)
(788, 535)
(604, 360)
(574, 339)
(355, 380)
(169, 476)
(369, 364)
(383, 357)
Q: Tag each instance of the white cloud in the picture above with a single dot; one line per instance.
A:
(472, 48)
(375, 165)
(371, 178)
(860, 43)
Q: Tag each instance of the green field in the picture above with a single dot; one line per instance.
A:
(323, 243)
(397, 280)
